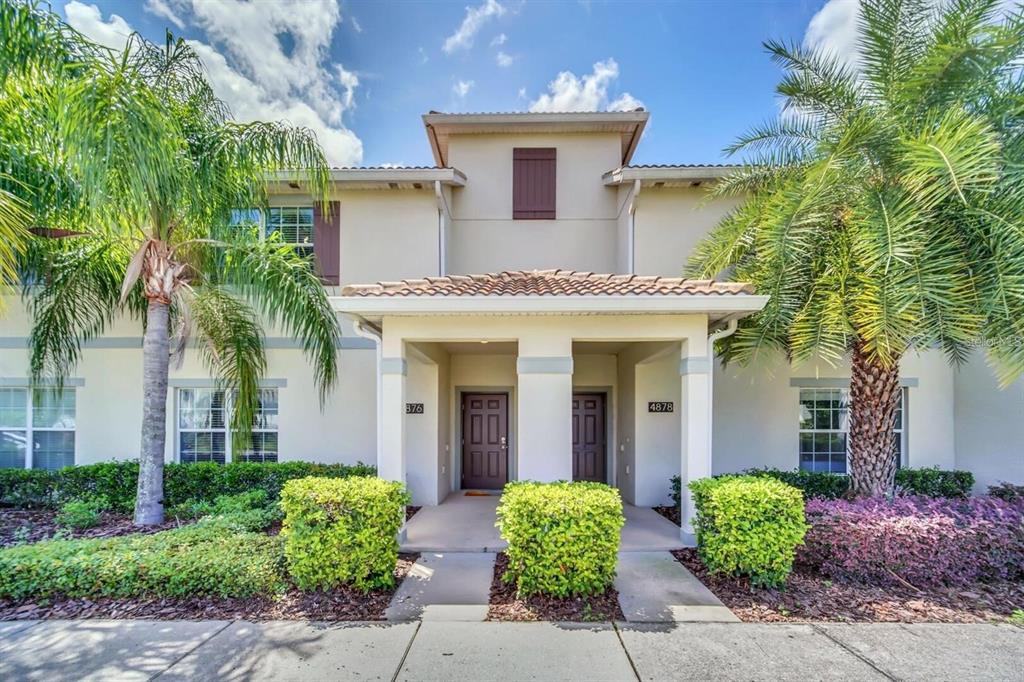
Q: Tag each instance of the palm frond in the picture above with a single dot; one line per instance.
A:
(230, 340)
(284, 288)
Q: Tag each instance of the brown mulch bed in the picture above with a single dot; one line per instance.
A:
(335, 605)
(33, 525)
(670, 513)
(410, 511)
(810, 597)
(505, 605)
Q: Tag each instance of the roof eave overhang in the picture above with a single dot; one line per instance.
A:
(383, 177)
(632, 122)
(716, 306)
(649, 176)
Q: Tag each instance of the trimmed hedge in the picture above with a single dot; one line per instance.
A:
(563, 538)
(342, 531)
(920, 540)
(1007, 491)
(749, 525)
(933, 482)
(224, 556)
(116, 481)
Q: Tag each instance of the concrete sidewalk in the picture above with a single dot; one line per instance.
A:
(437, 650)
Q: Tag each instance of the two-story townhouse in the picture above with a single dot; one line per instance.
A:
(582, 355)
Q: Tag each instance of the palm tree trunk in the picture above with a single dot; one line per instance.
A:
(149, 502)
(874, 399)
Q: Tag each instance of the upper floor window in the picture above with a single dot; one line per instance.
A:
(824, 425)
(37, 428)
(204, 426)
(295, 226)
(533, 183)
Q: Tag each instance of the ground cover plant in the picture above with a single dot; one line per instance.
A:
(563, 538)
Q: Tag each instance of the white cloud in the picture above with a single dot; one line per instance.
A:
(499, 39)
(163, 10)
(88, 19)
(423, 56)
(522, 93)
(474, 20)
(252, 70)
(504, 59)
(625, 102)
(589, 93)
(356, 26)
(834, 29)
(462, 88)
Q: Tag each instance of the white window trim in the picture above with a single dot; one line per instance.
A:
(30, 428)
(228, 411)
(265, 220)
(901, 429)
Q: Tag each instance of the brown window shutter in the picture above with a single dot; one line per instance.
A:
(327, 240)
(533, 183)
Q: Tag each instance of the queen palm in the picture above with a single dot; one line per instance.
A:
(884, 209)
(151, 168)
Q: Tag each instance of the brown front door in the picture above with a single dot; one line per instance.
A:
(588, 437)
(484, 440)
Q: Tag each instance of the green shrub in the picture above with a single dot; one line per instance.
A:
(935, 482)
(117, 481)
(563, 538)
(749, 525)
(220, 556)
(223, 504)
(82, 514)
(932, 482)
(342, 531)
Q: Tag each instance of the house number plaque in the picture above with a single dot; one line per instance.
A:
(661, 406)
(414, 408)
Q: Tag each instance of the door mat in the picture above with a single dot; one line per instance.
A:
(478, 493)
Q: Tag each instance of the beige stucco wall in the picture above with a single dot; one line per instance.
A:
(756, 412)
(109, 404)
(668, 225)
(388, 235)
(483, 236)
(989, 424)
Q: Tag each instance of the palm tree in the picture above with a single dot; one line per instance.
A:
(885, 208)
(150, 170)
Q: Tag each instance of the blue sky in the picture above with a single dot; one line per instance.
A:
(360, 73)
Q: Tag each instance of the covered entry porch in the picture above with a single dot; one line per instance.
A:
(545, 376)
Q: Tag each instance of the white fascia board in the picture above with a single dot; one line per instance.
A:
(627, 175)
(486, 305)
(362, 176)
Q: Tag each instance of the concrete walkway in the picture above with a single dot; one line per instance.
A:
(448, 586)
(464, 523)
(655, 588)
(434, 650)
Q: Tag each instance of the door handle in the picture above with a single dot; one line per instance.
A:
(504, 445)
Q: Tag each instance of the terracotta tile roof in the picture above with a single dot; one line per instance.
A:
(547, 283)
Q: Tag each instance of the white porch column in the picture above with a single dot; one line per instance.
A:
(695, 419)
(544, 396)
(393, 368)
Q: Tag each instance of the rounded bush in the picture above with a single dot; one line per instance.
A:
(563, 538)
(342, 531)
(749, 526)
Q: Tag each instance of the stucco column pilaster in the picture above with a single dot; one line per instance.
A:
(544, 393)
(695, 420)
(394, 368)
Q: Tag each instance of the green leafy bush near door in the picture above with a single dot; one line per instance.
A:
(342, 531)
(749, 526)
(563, 538)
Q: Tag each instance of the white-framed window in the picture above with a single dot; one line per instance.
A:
(824, 425)
(37, 428)
(295, 226)
(204, 426)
